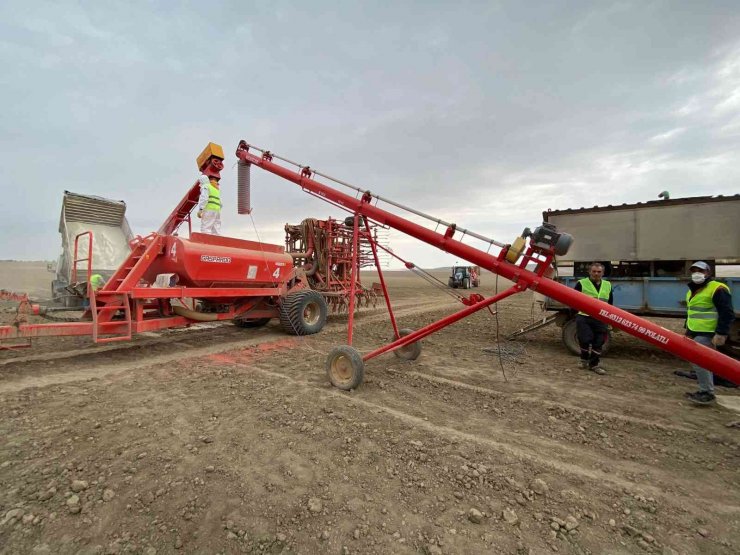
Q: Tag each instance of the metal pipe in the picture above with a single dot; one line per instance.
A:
(439, 324)
(194, 314)
(386, 296)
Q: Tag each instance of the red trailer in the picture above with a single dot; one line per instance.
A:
(345, 365)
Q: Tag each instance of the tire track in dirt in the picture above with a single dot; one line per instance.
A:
(540, 401)
(534, 452)
(96, 359)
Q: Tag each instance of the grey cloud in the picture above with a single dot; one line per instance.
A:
(485, 113)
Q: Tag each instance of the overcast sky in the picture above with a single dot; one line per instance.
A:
(482, 113)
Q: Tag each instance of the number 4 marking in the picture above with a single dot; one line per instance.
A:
(276, 273)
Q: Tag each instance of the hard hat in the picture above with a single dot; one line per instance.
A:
(701, 265)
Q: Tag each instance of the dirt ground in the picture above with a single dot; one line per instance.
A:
(224, 440)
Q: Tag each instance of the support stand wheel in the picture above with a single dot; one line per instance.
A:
(345, 367)
(410, 351)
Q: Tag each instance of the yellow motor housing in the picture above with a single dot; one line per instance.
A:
(211, 150)
(515, 250)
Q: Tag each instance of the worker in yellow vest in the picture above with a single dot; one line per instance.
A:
(97, 282)
(210, 162)
(592, 332)
(709, 315)
(209, 205)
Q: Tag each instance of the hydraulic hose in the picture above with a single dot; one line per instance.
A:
(194, 314)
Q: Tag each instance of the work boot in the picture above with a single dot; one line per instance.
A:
(701, 397)
(584, 364)
(598, 370)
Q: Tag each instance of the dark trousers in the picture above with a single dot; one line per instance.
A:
(591, 336)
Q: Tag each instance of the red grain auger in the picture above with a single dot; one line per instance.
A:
(345, 365)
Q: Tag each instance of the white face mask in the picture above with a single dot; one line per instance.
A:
(698, 277)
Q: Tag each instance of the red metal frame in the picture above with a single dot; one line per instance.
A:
(524, 279)
(88, 259)
(123, 307)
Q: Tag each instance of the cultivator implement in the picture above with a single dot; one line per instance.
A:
(345, 365)
(324, 250)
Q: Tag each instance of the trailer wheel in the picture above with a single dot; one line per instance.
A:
(570, 338)
(345, 368)
(410, 351)
(254, 323)
(303, 313)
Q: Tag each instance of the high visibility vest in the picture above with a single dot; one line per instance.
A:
(588, 288)
(701, 312)
(214, 198)
(97, 281)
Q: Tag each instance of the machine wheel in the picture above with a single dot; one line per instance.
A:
(255, 323)
(345, 368)
(570, 338)
(450, 282)
(410, 351)
(303, 313)
(466, 283)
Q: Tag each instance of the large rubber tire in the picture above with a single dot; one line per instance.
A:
(450, 282)
(570, 338)
(345, 368)
(466, 283)
(410, 351)
(255, 323)
(303, 312)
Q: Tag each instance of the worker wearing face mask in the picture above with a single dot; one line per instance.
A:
(708, 320)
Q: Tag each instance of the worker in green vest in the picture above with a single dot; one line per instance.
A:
(210, 162)
(709, 315)
(591, 332)
(209, 205)
(97, 282)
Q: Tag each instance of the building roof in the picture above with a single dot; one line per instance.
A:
(648, 204)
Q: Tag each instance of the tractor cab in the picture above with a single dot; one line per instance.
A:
(464, 277)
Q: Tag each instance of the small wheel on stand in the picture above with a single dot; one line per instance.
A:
(345, 367)
(410, 351)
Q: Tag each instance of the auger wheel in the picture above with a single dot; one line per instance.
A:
(410, 351)
(345, 367)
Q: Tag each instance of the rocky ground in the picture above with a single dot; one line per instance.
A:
(225, 440)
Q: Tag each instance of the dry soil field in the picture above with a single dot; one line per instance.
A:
(224, 440)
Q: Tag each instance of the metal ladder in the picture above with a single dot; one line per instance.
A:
(113, 301)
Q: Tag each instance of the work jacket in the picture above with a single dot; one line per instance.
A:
(603, 293)
(704, 311)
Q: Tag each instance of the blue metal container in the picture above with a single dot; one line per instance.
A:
(651, 296)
